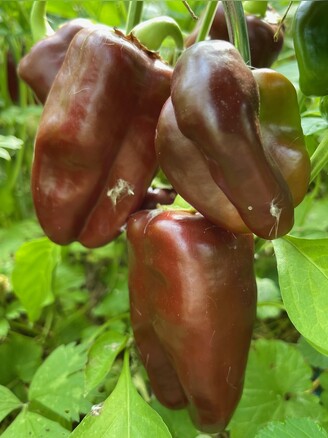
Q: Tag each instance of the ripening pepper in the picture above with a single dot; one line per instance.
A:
(39, 67)
(281, 130)
(264, 45)
(310, 35)
(193, 302)
(94, 151)
(216, 105)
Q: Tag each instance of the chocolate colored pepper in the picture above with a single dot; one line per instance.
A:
(193, 303)
(94, 150)
(39, 67)
(216, 105)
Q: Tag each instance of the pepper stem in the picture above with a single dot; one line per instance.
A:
(40, 27)
(153, 32)
(237, 29)
(207, 21)
(319, 158)
(134, 15)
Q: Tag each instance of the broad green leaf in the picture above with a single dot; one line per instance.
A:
(101, 357)
(58, 384)
(311, 219)
(13, 237)
(123, 414)
(277, 385)
(116, 301)
(20, 356)
(8, 402)
(178, 421)
(312, 355)
(10, 142)
(303, 279)
(32, 275)
(313, 125)
(31, 425)
(268, 298)
(293, 428)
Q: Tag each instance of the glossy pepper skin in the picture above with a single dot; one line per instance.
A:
(157, 196)
(191, 177)
(216, 105)
(94, 151)
(281, 130)
(193, 302)
(39, 67)
(264, 47)
(310, 35)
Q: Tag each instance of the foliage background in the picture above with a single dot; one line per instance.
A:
(68, 365)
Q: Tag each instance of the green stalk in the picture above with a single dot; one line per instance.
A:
(4, 85)
(40, 27)
(134, 15)
(237, 29)
(16, 167)
(153, 32)
(207, 21)
(319, 158)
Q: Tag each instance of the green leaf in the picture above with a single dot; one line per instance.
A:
(58, 383)
(20, 356)
(311, 219)
(313, 125)
(268, 292)
(303, 279)
(312, 356)
(32, 275)
(10, 142)
(31, 425)
(116, 301)
(8, 402)
(178, 421)
(101, 357)
(123, 414)
(293, 428)
(277, 386)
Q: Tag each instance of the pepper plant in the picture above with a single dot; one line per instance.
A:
(121, 316)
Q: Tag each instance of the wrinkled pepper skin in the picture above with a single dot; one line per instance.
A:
(264, 48)
(193, 303)
(310, 35)
(216, 104)
(39, 67)
(94, 151)
(282, 132)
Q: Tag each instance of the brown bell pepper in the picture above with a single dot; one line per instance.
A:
(216, 105)
(193, 303)
(94, 151)
(39, 67)
(282, 138)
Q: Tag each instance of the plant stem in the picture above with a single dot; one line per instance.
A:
(319, 158)
(40, 27)
(237, 29)
(207, 20)
(134, 15)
